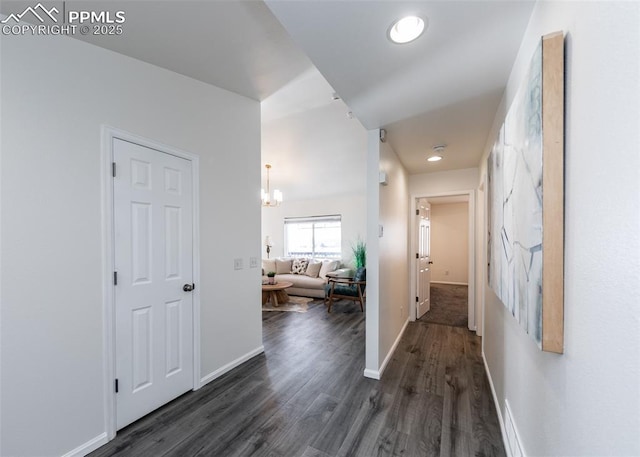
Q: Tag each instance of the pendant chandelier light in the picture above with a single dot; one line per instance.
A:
(266, 196)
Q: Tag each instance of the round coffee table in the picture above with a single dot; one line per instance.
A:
(275, 293)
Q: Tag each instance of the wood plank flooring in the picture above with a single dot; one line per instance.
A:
(306, 397)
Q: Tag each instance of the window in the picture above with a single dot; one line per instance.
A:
(319, 237)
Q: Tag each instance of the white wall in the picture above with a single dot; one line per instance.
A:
(57, 92)
(352, 208)
(315, 149)
(394, 251)
(450, 242)
(391, 253)
(443, 182)
(372, 309)
(587, 400)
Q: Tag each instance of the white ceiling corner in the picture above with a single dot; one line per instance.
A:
(306, 92)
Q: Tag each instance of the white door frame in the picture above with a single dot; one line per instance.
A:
(481, 255)
(417, 220)
(108, 262)
(472, 250)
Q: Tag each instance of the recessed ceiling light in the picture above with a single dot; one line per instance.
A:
(438, 150)
(406, 29)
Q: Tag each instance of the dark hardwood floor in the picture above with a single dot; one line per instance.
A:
(306, 396)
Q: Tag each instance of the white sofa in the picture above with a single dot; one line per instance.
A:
(308, 282)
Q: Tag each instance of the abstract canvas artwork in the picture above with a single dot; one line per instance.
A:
(526, 200)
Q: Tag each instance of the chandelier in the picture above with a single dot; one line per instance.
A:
(266, 196)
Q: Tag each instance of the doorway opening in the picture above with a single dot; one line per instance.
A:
(451, 296)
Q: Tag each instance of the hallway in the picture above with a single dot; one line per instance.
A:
(449, 305)
(306, 396)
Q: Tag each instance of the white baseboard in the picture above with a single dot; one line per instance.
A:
(102, 439)
(503, 430)
(377, 374)
(230, 366)
(451, 282)
(89, 446)
(372, 374)
(513, 437)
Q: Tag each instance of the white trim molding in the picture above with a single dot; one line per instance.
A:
(510, 435)
(497, 405)
(451, 283)
(89, 446)
(372, 374)
(108, 134)
(377, 374)
(513, 444)
(471, 291)
(231, 365)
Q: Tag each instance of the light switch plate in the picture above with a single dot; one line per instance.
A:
(253, 262)
(237, 264)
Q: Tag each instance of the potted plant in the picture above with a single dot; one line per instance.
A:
(272, 277)
(359, 254)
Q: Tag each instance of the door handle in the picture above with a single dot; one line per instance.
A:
(430, 262)
(188, 287)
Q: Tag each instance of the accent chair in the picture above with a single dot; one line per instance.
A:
(346, 288)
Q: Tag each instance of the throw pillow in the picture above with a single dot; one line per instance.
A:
(283, 266)
(313, 270)
(327, 266)
(299, 266)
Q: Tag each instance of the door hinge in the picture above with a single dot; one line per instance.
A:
(113, 169)
(416, 299)
(116, 385)
(417, 212)
(115, 278)
(417, 256)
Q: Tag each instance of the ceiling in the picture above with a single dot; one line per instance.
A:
(236, 45)
(443, 88)
(448, 199)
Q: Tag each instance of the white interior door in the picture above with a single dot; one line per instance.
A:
(423, 295)
(153, 206)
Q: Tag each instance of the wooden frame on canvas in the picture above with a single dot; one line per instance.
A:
(526, 225)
